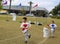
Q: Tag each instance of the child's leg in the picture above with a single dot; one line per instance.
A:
(53, 32)
(26, 36)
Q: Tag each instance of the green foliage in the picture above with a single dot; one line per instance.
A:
(40, 13)
(57, 17)
(23, 12)
(0, 5)
(56, 9)
(0, 0)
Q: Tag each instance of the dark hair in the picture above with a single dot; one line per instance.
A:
(53, 21)
(24, 18)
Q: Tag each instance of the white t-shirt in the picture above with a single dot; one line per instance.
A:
(25, 26)
(53, 26)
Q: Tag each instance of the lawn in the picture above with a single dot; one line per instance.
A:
(10, 32)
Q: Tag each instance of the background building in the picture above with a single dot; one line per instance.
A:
(38, 11)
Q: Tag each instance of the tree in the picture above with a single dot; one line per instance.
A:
(23, 11)
(56, 9)
(0, 0)
(0, 4)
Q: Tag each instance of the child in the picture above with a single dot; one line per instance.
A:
(46, 32)
(25, 25)
(53, 27)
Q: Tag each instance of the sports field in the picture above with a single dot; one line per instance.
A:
(10, 33)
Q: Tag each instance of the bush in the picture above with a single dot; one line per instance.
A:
(57, 17)
(53, 16)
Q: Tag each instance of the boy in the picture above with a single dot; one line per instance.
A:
(46, 32)
(25, 25)
(53, 27)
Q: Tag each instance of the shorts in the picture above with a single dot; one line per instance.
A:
(24, 31)
(52, 30)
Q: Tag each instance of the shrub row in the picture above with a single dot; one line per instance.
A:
(57, 17)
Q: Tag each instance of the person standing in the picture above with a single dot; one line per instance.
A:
(53, 28)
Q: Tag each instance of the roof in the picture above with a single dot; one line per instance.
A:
(17, 7)
(25, 8)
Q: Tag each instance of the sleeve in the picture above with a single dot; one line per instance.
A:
(55, 25)
(29, 25)
(21, 26)
(49, 25)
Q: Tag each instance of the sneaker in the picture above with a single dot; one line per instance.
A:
(29, 36)
(53, 36)
(25, 42)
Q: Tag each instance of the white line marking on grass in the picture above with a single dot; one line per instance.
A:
(42, 41)
(10, 38)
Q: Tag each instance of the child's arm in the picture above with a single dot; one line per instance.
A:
(21, 26)
(29, 25)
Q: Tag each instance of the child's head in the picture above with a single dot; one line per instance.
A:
(53, 21)
(24, 19)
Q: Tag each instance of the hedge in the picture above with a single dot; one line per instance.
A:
(57, 17)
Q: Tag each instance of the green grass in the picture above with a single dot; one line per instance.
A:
(10, 33)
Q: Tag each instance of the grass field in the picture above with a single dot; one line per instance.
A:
(10, 33)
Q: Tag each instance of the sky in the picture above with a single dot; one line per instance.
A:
(48, 4)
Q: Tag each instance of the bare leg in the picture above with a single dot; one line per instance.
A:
(27, 36)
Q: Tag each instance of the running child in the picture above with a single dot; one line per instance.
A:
(25, 27)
